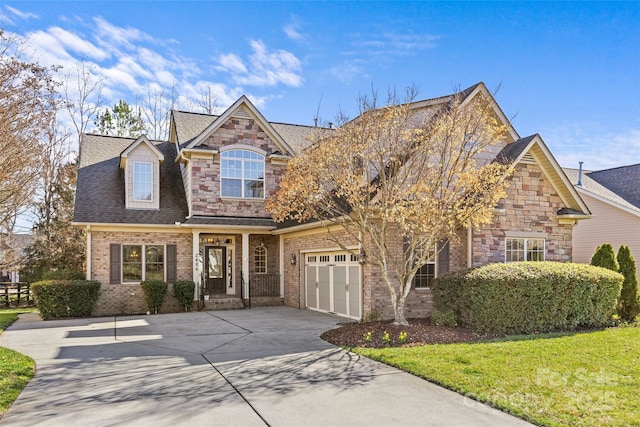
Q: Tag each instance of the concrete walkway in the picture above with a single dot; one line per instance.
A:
(264, 366)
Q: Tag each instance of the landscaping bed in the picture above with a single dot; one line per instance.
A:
(418, 332)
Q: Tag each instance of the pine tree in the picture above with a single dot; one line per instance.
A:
(605, 257)
(629, 305)
(120, 120)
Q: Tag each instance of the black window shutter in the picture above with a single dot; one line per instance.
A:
(114, 263)
(172, 263)
(443, 257)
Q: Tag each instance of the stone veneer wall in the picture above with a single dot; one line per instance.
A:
(129, 298)
(375, 293)
(205, 173)
(530, 207)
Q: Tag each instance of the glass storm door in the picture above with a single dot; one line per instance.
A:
(215, 269)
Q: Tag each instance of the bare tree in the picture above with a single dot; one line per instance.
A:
(397, 180)
(82, 96)
(157, 108)
(27, 105)
(208, 102)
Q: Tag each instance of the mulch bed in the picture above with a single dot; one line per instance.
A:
(419, 332)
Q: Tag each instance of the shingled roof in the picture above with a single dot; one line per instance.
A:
(100, 192)
(623, 180)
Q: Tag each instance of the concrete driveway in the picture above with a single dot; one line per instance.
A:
(264, 366)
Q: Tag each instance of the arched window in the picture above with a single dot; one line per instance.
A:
(260, 260)
(242, 174)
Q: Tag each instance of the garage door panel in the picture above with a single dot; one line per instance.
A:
(354, 291)
(310, 286)
(340, 290)
(324, 288)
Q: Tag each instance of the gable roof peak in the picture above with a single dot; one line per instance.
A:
(244, 108)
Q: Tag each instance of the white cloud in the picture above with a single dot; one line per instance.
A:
(391, 44)
(597, 149)
(269, 68)
(20, 14)
(77, 44)
(232, 63)
(347, 71)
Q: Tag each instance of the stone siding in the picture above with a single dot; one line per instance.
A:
(205, 173)
(530, 207)
(129, 298)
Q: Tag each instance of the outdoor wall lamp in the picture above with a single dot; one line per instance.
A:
(362, 257)
(293, 259)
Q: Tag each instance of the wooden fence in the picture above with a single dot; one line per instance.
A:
(15, 294)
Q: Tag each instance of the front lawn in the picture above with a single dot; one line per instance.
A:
(582, 379)
(15, 369)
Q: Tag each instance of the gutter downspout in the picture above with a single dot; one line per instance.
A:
(469, 247)
(88, 254)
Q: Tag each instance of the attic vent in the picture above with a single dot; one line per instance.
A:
(242, 113)
(528, 158)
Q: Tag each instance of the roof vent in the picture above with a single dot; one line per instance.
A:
(580, 174)
(528, 158)
(242, 113)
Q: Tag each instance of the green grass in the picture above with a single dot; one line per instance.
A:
(584, 379)
(15, 369)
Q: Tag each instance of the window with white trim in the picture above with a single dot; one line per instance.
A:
(524, 249)
(142, 262)
(425, 274)
(242, 174)
(260, 260)
(142, 181)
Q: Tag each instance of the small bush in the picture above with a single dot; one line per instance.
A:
(605, 257)
(444, 318)
(529, 297)
(447, 292)
(154, 293)
(65, 298)
(184, 291)
(629, 304)
(372, 316)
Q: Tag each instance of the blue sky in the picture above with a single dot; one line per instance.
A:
(567, 70)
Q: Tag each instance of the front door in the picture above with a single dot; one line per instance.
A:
(215, 271)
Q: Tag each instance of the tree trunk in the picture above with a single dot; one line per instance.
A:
(398, 309)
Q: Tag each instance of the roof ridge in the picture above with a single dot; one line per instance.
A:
(616, 167)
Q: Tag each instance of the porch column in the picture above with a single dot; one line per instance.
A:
(245, 263)
(196, 251)
(281, 247)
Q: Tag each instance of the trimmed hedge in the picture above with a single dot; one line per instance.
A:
(184, 291)
(529, 297)
(154, 293)
(65, 298)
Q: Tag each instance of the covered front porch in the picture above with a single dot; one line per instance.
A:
(237, 268)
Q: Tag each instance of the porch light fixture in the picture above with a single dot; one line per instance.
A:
(293, 259)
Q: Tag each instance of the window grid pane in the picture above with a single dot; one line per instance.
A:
(521, 249)
(142, 262)
(131, 263)
(260, 260)
(142, 181)
(242, 174)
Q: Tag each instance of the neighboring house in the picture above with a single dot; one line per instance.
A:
(193, 208)
(613, 197)
(13, 255)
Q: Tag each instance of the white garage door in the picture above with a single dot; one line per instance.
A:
(332, 283)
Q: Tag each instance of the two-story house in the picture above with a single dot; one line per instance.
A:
(193, 207)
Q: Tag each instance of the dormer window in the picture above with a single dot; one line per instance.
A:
(141, 164)
(242, 174)
(142, 181)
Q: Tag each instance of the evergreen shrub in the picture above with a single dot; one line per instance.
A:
(65, 298)
(154, 293)
(184, 291)
(530, 297)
